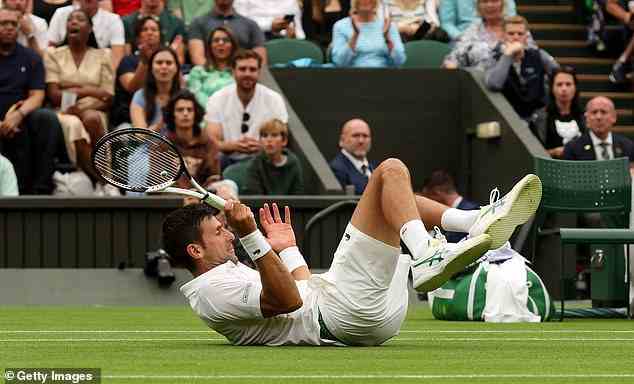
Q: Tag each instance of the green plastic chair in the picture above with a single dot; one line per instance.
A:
(283, 51)
(425, 54)
(584, 187)
(238, 172)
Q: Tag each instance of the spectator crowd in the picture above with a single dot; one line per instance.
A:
(74, 70)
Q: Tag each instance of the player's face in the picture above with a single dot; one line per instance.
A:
(184, 114)
(564, 87)
(273, 143)
(164, 66)
(600, 117)
(356, 139)
(217, 241)
(246, 73)
(515, 33)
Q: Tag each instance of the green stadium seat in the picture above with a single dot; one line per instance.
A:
(238, 172)
(584, 187)
(425, 54)
(283, 51)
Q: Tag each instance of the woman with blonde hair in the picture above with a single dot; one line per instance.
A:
(364, 39)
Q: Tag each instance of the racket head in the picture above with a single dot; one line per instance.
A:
(137, 160)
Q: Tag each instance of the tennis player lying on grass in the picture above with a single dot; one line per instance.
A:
(362, 299)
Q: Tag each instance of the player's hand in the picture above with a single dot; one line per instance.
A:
(240, 218)
(279, 233)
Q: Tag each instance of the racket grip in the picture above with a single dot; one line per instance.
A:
(215, 201)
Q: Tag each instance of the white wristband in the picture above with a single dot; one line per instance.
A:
(255, 244)
(292, 258)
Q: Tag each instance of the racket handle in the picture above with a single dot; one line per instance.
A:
(215, 201)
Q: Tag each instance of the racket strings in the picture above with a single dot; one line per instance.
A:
(137, 161)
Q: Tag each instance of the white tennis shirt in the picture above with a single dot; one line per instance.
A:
(227, 298)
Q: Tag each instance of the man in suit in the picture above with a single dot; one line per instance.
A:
(599, 143)
(441, 187)
(351, 165)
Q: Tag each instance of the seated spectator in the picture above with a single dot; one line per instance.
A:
(133, 69)
(161, 84)
(183, 119)
(45, 9)
(8, 180)
(416, 19)
(622, 11)
(120, 7)
(441, 187)
(475, 47)
(172, 28)
(107, 27)
(32, 31)
(562, 120)
(365, 40)
(275, 170)
(600, 143)
(351, 165)
(456, 16)
(30, 136)
(320, 16)
(245, 30)
(91, 82)
(205, 80)
(520, 71)
(188, 10)
(236, 112)
(276, 18)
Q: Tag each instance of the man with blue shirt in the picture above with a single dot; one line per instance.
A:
(30, 136)
(351, 165)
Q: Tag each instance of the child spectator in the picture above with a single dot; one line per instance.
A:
(275, 170)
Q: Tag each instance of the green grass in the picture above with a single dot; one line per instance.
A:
(575, 351)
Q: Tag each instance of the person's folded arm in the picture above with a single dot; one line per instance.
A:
(496, 76)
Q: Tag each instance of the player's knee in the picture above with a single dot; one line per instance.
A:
(393, 168)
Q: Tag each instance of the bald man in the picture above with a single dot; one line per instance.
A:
(351, 165)
(599, 143)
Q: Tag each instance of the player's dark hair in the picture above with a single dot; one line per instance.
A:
(181, 228)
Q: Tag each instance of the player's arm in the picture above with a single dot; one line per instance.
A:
(279, 292)
(279, 233)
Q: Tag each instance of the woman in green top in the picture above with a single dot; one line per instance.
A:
(203, 81)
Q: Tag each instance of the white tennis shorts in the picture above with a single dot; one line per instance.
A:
(367, 303)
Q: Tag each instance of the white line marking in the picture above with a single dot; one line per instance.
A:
(375, 377)
(423, 331)
(423, 339)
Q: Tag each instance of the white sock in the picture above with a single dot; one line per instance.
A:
(415, 236)
(458, 220)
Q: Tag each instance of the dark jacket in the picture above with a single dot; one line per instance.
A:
(582, 148)
(347, 174)
(264, 178)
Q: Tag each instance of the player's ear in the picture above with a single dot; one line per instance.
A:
(194, 250)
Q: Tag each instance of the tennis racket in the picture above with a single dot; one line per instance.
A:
(140, 160)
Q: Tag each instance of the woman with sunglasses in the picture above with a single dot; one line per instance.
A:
(204, 80)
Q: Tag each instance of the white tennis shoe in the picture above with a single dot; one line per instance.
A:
(502, 215)
(442, 260)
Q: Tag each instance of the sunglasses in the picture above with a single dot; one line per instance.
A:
(245, 119)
